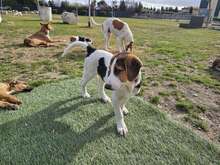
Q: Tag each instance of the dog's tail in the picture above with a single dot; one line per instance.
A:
(28, 42)
(93, 22)
(73, 44)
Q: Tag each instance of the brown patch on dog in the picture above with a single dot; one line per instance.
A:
(127, 67)
(117, 24)
(73, 38)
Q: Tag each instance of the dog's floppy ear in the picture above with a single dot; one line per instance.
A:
(134, 65)
(121, 61)
(130, 46)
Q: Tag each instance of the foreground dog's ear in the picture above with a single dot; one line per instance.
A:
(134, 65)
(121, 61)
(120, 64)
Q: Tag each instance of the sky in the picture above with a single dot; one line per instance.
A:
(155, 3)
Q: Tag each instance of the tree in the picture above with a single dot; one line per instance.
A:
(64, 5)
(191, 10)
(170, 9)
(209, 19)
(140, 7)
(176, 10)
(136, 7)
(19, 4)
(122, 6)
(51, 3)
(93, 6)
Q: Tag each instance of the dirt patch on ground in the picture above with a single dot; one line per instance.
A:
(170, 92)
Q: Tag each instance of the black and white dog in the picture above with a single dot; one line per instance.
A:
(72, 40)
(120, 73)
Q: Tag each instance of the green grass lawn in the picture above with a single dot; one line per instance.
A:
(56, 126)
(176, 54)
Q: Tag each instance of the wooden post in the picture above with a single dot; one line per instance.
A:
(1, 8)
(209, 13)
(112, 8)
(89, 23)
(94, 5)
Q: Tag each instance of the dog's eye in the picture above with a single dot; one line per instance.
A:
(117, 70)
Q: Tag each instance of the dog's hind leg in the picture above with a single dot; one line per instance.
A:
(87, 76)
(101, 91)
(119, 44)
(6, 105)
(10, 99)
(107, 36)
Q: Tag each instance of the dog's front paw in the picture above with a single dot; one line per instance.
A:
(122, 128)
(86, 95)
(13, 106)
(19, 102)
(125, 110)
(106, 99)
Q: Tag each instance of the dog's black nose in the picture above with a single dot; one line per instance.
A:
(29, 89)
(107, 86)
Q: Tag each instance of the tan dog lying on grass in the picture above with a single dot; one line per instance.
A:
(41, 38)
(7, 100)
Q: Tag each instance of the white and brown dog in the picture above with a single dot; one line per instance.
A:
(120, 73)
(122, 32)
(71, 43)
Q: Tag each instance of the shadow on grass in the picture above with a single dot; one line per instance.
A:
(16, 45)
(84, 27)
(40, 139)
(32, 20)
(215, 74)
